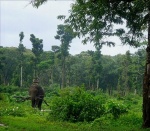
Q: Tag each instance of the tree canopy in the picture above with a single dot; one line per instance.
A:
(95, 19)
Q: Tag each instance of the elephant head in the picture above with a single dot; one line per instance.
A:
(36, 94)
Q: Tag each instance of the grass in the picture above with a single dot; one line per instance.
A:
(28, 119)
(39, 124)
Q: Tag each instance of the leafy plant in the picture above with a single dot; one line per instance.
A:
(9, 89)
(116, 109)
(3, 97)
(76, 105)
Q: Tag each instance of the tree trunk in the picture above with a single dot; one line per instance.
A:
(135, 91)
(21, 77)
(52, 81)
(63, 74)
(89, 83)
(97, 83)
(146, 85)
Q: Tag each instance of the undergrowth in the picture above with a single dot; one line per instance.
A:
(73, 109)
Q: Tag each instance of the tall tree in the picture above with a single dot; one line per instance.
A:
(21, 49)
(65, 34)
(97, 65)
(138, 65)
(21, 35)
(109, 74)
(95, 19)
(124, 77)
(55, 50)
(37, 49)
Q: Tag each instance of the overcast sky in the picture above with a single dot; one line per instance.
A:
(42, 22)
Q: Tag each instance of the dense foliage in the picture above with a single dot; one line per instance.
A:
(72, 108)
(121, 72)
(76, 105)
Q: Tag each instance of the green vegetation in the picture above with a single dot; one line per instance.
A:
(72, 108)
(88, 91)
(76, 105)
(120, 74)
(97, 20)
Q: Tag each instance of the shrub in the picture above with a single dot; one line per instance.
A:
(52, 90)
(9, 89)
(3, 97)
(116, 109)
(131, 99)
(76, 105)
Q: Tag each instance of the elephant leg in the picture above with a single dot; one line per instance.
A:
(40, 104)
(33, 103)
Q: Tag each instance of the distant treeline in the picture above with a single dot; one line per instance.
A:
(91, 69)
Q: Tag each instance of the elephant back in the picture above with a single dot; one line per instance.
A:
(36, 91)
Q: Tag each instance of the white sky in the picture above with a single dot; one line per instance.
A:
(15, 17)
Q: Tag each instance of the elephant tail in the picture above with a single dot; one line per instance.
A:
(45, 102)
(41, 97)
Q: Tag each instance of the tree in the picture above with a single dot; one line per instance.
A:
(21, 49)
(140, 56)
(97, 65)
(21, 35)
(46, 68)
(54, 70)
(9, 63)
(65, 34)
(95, 19)
(37, 49)
(109, 74)
(124, 84)
(81, 70)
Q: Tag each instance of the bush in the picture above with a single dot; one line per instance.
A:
(52, 90)
(76, 105)
(116, 109)
(9, 89)
(3, 97)
(131, 99)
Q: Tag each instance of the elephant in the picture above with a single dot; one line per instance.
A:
(36, 93)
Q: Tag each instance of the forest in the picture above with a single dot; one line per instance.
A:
(121, 73)
(87, 91)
